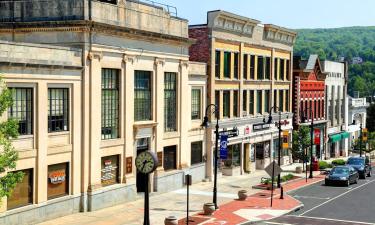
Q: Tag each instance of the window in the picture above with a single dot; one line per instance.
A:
(58, 180)
(282, 65)
(217, 101)
(170, 102)
(110, 104)
(196, 152)
(286, 109)
(281, 100)
(244, 101)
(58, 108)
(110, 171)
(235, 65)
(245, 66)
(275, 100)
(252, 67)
(226, 103)
(169, 162)
(276, 63)
(267, 101)
(233, 155)
(260, 67)
(235, 103)
(142, 96)
(22, 194)
(251, 104)
(259, 102)
(268, 68)
(22, 109)
(227, 64)
(217, 64)
(196, 104)
(287, 69)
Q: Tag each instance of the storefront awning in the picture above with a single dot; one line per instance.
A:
(335, 138)
(345, 135)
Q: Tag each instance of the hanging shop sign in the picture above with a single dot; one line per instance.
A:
(261, 126)
(317, 136)
(57, 177)
(223, 147)
(364, 134)
(247, 130)
(285, 139)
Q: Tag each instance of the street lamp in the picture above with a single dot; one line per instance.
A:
(206, 124)
(279, 127)
(303, 119)
(360, 132)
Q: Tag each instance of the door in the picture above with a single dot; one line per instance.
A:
(142, 145)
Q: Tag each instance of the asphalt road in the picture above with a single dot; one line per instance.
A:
(333, 205)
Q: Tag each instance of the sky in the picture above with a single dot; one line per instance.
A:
(287, 13)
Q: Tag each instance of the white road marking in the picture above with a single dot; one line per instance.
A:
(335, 220)
(312, 197)
(338, 196)
(206, 193)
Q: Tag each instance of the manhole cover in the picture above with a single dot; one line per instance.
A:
(159, 209)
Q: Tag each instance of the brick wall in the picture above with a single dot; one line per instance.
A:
(200, 51)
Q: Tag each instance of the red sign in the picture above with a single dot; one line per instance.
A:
(57, 177)
(247, 130)
(317, 136)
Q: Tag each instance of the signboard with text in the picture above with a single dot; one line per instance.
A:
(285, 139)
(317, 136)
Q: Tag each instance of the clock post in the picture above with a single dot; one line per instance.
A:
(146, 163)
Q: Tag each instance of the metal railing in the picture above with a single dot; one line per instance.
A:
(170, 9)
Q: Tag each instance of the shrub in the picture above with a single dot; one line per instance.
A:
(324, 165)
(338, 162)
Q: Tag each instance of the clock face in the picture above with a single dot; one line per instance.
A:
(146, 162)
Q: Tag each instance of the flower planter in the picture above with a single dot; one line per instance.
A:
(231, 171)
(298, 169)
(170, 220)
(208, 209)
(242, 195)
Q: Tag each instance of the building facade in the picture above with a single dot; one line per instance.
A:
(248, 75)
(113, 81)
(357, 113)
(336, 108)
(309, 99)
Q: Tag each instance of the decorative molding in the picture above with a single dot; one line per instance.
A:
(160, 61)
(94, 54)
(129, 58)
(184, 63)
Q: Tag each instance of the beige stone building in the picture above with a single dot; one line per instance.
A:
(101, 82)
(249, 73)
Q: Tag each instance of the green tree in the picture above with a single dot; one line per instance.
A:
(370, 120)
(301, 141)
(8, 155)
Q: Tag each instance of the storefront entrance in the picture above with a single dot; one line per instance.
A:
(262, 150)
(143, 144)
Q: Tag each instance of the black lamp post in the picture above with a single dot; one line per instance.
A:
(279, 128)
(205, 124)
(360, 133)
(311, 137)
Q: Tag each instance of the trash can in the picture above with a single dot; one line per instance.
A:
(315, 164)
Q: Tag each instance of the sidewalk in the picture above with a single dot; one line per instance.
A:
(174, 204)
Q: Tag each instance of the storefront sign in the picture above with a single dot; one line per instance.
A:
(285, 122)
(261, 126)
(110, 170)
(247, 130)
(364, 134)
(129, 165)
(285, 139)
(223, 147)
(57, 177)
(317, 136)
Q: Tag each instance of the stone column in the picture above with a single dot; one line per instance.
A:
(183, 118)
(159, 105)
(76, 137)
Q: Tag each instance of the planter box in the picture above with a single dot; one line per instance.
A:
(234, 171)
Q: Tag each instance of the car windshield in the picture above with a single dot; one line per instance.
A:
(340, 170)
(355, 161)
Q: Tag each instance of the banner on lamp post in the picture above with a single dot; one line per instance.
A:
(285, 139)
(317, 136)
(223, 146)
(364, 134)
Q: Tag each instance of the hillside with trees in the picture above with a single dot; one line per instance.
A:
(348, 43)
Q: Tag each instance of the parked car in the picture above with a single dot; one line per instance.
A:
(362, 165)
(342, 175)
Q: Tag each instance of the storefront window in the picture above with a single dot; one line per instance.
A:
(22, 194)
(196, 152)
(110, 170)
(170, 158)
(262, 150)
(58, 180)
(233, 156)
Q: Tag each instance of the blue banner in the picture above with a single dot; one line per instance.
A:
(223, 146)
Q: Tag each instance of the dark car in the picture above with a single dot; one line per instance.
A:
(362, 165)
(342, 175)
